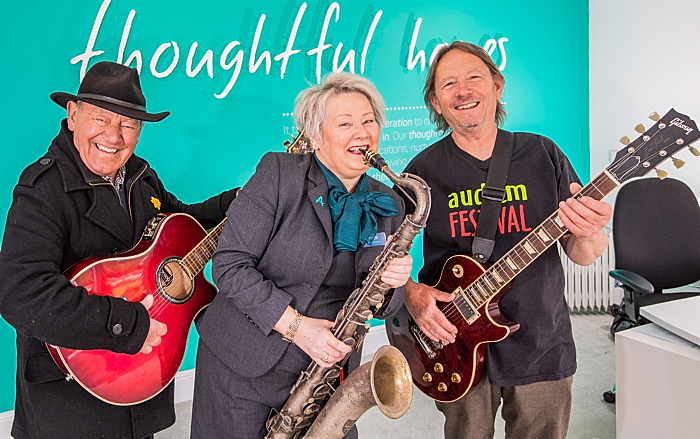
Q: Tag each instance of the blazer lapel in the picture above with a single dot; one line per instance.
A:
(318, 195)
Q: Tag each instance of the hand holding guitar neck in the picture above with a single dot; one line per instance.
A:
(156, 330)
(585, 218)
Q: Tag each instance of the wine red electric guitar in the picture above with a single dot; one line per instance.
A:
(447, 372)
(167, 263)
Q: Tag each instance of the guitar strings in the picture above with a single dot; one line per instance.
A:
(473, 291)
(160, 303)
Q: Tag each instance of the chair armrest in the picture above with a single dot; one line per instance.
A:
(632, 281)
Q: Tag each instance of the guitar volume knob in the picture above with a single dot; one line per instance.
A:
(442, 387)
(456, 378)
(427, 377)
(438, 368)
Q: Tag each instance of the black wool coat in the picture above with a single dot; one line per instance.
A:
(61, 214)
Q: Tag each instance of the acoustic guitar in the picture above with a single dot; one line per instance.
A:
(447, 372)
(167, 263)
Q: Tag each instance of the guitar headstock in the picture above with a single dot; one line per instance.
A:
(671, 133)
(300, 144)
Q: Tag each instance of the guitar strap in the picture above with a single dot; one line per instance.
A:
(492, 196)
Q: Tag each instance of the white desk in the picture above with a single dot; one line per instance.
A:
(657, 386)
(680, 316)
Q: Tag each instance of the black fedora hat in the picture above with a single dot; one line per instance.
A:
(113, 87)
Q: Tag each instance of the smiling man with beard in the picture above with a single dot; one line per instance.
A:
(531, 371)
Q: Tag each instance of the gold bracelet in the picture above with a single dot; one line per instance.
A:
(292, 330)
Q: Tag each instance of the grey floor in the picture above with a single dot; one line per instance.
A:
(591, 417)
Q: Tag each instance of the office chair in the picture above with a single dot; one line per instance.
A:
(656, 233)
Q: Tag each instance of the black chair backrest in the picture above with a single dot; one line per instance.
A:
(656, 232)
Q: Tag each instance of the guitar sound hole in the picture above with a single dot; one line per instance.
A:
(174, 284)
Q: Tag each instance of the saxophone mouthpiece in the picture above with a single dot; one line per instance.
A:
(374, 160)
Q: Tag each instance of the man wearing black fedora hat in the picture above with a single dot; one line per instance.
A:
(88, 196)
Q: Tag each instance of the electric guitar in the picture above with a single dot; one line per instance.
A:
(167, 263)
(447, 372)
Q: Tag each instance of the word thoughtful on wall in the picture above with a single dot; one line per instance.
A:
(233, 63)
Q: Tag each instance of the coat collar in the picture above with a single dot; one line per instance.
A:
(105, 210)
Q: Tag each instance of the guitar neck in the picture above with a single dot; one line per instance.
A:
(195, 261)
(531, 247)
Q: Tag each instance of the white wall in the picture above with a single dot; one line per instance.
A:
(644, 57)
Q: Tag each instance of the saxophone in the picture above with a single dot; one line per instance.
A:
(386, 381)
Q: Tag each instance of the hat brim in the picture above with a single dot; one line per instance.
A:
(62, 99)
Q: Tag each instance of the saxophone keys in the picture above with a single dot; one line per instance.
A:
(376, 299)
(365, 315)
(350, 341)
(320, 392)
(303, 423)
(331, 374)
(311, 409)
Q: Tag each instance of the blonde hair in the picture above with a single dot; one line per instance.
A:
(311, 105)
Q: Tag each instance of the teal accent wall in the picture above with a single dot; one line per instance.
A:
(219, 128)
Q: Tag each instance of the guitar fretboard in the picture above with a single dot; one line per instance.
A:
(526, 251)
(198, 257)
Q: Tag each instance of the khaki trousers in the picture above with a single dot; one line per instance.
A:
(533, 411)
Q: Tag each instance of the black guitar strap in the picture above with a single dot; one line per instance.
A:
(492, 196)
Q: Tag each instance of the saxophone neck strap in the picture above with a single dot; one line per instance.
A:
(492, 196)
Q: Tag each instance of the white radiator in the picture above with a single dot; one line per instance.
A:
(590, 289)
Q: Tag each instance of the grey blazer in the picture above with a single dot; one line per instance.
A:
(275, 250)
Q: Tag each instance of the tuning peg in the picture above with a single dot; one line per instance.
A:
(654, 116)
(694, 151)
(640, 128)
(678, 163)
(625, 140)
(661, 173)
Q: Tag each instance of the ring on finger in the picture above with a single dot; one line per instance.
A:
(326, 358)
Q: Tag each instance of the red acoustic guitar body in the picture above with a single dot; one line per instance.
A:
(166, 263)
(457, 367)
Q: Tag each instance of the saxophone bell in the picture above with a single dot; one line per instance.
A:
(385, 382)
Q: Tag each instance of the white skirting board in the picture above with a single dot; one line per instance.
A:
(184, 380)
(6, 424)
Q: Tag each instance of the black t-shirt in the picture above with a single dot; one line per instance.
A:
(538, 179)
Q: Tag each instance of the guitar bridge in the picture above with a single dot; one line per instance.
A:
(421, 339)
